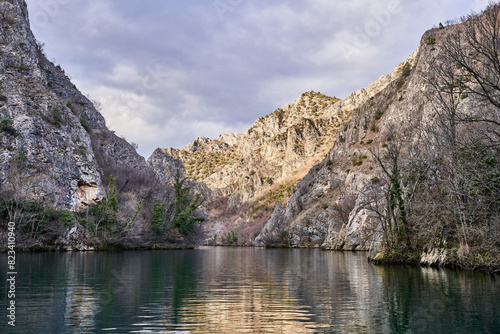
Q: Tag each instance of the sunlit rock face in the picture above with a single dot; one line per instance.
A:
(291, 147)
(325, 149)
(54, 144)
(318, 213)
(278, 147)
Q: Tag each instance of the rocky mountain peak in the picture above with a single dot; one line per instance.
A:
(55, 145)
(260, 167)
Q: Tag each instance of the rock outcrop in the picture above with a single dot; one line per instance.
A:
(245, 166)
(54, 144)
(317, 213)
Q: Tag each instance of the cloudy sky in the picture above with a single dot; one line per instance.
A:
(167, 71)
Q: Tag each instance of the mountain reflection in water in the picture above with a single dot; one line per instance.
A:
(244, 290)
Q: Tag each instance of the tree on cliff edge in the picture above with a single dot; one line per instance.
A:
(185, 206)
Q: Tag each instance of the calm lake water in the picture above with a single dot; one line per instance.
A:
(243, 290)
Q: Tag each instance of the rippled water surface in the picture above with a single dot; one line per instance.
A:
(244, 290)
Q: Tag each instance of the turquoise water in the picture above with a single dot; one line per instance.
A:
(243, 290)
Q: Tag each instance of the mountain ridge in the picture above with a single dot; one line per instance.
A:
(254, 168)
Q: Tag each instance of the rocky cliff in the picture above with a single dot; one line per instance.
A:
(411, 143)
(54, 144)
(396, 166)
(248, 173)
(66, 180)
(412, 160)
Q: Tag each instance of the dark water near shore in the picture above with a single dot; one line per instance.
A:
(243, 290)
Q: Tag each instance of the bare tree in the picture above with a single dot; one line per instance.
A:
(343, 208)
(463, 141)
(473, 49)
(395, 222)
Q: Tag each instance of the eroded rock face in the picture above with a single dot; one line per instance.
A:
(273, 227)
(350, 169)
(58, 143)
(328, 149)
(295, 143)
(245, 166)
(86, 194)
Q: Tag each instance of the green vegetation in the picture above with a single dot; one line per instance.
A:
(230, 238)
(33, 219)
(55, 116)
(105, 213)
(185, 206)
(269, 200)
(3, 98)
(20, 160)
(359, 161)
(400, 82)
(7, 126)
(378, 114)
(134, 217)
(199, 165)
(406, 70)
(431, 40)
(280, 114)
(66, 217)
(37, 221)
(84, 123)
(24, 67)
(159, 219)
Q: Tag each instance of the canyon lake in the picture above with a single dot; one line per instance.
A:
(243, 290)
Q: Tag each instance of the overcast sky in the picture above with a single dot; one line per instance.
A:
(167, 71)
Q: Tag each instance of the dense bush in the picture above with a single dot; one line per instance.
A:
(185, 206)
(7, 126)
(406, 69)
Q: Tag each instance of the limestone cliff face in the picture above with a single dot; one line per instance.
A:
(322, 148)
(53, 142)
(260, 166)
(328, 207)
(245, 166)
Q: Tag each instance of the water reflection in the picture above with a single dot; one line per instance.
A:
(426, 300)
(244, 290)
